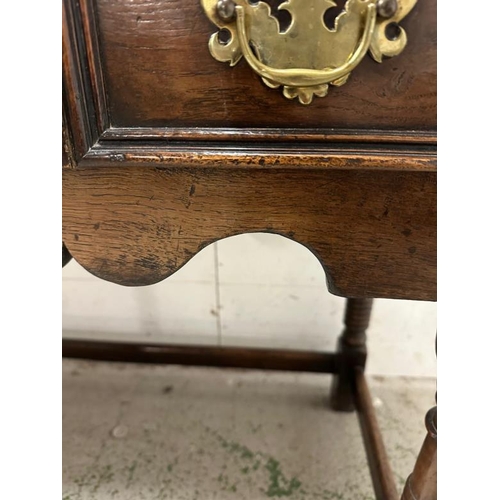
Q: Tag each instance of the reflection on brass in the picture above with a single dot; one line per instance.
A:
(308, 56)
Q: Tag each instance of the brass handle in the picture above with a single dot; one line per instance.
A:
(307, 56)
(305, 77)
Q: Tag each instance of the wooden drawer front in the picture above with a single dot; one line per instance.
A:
(144, 68)
(159, 72)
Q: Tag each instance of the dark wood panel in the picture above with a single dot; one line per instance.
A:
(373, 231)
(158, 72)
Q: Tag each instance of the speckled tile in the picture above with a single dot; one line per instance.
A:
(180, 433)
(292, 317)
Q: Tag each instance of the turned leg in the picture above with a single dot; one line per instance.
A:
(352, 343)
(422, 482)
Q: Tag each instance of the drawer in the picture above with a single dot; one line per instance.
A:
(140, 73)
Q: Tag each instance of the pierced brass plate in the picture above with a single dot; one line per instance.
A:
(307, 57)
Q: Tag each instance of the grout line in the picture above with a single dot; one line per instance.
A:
(279, 285)
(217, 295)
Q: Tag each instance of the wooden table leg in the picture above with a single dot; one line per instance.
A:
(422, 483)
(352, 343)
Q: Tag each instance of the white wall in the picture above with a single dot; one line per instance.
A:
(256, 290)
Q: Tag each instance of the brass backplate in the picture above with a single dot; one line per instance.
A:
(307, 57)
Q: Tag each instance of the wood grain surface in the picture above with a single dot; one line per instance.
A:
(373, 232)
(158, 72)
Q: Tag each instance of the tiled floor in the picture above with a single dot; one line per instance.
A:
(143, 432)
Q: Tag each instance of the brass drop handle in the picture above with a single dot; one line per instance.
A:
(305, 77)
(308, 56)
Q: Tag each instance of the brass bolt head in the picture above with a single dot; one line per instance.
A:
(387, 8)
(226, 9)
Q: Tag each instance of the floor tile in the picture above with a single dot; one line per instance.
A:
(280, 316)
(165, 312)
(262, 258)
(401, 338)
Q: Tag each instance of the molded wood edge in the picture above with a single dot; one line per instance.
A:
(304, 156)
